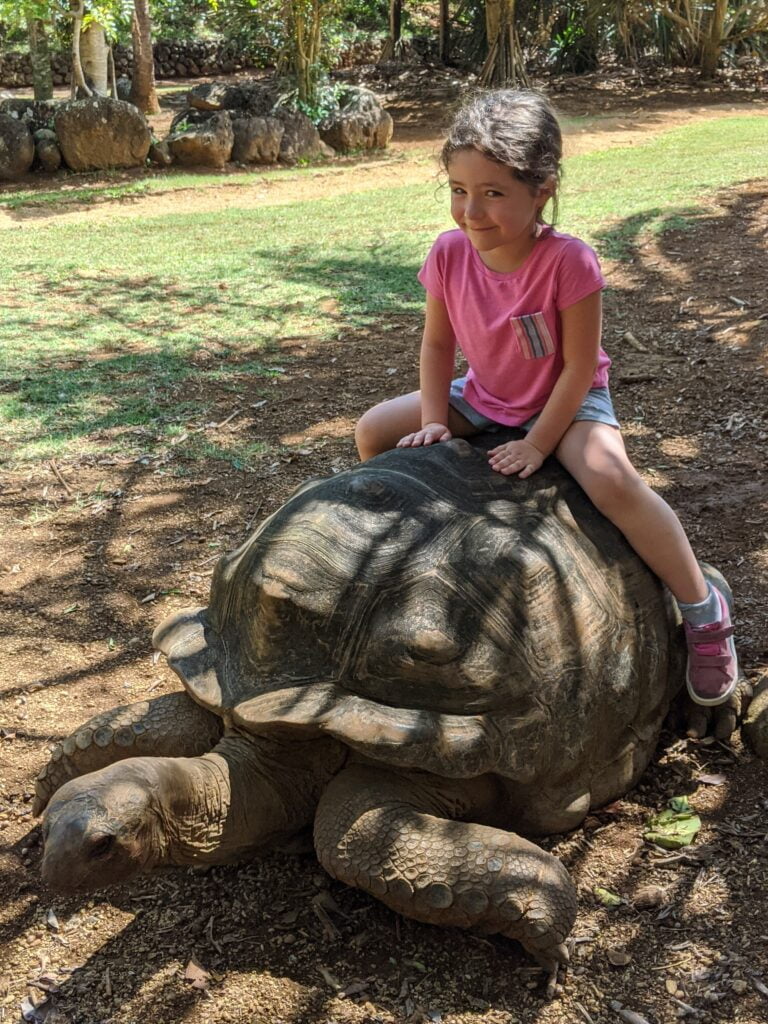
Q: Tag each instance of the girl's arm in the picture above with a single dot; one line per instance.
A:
(438, 351)
(581, 326)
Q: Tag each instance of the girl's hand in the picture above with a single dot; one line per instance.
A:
(516, 457)
(428, 434)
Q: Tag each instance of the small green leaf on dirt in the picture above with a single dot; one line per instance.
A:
(71, 608)
(675, 827)
(606, 897)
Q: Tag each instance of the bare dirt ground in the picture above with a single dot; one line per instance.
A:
(94, 557)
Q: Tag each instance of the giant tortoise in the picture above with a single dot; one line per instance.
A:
(416, 657)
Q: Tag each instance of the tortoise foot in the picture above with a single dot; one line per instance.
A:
(378, 831)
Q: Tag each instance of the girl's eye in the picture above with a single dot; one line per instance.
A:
(493, 194)
(458, 191)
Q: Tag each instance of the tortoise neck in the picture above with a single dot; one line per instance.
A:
(246, 794)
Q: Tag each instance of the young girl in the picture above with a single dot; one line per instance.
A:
(523, 302)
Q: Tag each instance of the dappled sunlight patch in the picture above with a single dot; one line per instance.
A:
(680, 447)
(340, 426)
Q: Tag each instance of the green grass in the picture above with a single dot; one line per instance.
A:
(103, 326)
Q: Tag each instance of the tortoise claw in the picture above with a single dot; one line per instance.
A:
(719, 721)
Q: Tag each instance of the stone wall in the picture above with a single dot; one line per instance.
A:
(172, 60)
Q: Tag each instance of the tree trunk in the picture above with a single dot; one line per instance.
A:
(94, 57)
(42, 78)
(143, 91)
(393, 46)
(78, 78)
(444, 40)
(504, 64)
(712, 40)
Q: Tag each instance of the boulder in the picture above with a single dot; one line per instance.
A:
(17, 148)
(35, 114)
(160, 154)
(188, 118)
(360, 123)
(123, 87)
(257, 139)
(206, 144)
(98, 133)
(47, 150)
(214, 96)
(301, 140)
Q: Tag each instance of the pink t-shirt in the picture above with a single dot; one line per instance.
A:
(508, 324)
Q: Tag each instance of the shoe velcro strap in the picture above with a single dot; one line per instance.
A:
(710, 660)
(710, 636)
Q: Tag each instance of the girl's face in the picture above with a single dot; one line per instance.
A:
(490, 206)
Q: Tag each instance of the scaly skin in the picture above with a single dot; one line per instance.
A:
(168, 726)
(388, 834)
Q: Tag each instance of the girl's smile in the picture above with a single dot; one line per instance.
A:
(497, 212)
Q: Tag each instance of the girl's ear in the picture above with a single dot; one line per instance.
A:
(546, 192)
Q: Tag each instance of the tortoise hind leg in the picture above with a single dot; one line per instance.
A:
(171, 725)
(396, 837)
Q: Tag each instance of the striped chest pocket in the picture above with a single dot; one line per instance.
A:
(532, 336)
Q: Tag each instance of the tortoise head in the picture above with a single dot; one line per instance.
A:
(101, 829)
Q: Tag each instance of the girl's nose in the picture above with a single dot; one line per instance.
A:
(473, 210)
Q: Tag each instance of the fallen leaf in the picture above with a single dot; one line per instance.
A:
(649, 896)
(52, 921)
(711, 780)
(149, 597)
(196, 975)
(606, 897)
(618, 957)
(35, 1012)
(675, 827)
(329, 979)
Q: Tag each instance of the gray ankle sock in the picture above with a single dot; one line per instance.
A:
(704, 612)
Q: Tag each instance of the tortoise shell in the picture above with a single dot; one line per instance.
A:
(434, 614)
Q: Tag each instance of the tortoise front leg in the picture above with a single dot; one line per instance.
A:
(168, 726)
(389, 834)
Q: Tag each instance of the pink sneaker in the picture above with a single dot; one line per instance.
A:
(713, 672)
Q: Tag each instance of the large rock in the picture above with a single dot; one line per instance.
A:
(215, 96)
(35, 114)
(47, 150)
(301, 140)
(98, 133)
(257, 139)
(17, 148)
(360, 123)
(206, 144)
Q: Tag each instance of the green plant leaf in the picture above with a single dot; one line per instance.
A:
(675, 827)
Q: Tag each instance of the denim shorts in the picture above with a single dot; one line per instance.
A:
(596, 407)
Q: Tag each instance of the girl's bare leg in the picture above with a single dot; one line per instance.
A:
(381, 427)
(594, 454)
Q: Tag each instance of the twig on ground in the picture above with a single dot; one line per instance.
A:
(629, 1016)
(59, 477)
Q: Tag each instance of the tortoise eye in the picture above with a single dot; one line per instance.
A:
(101, 846)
